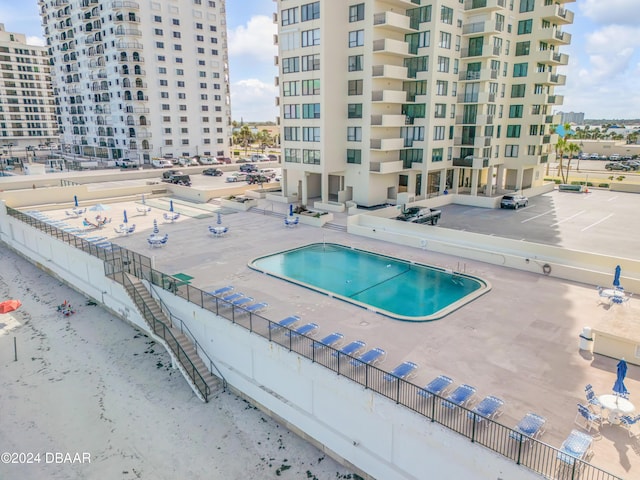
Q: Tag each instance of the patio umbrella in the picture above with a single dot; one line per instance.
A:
(171, 205)
(618, 387)
(9, 306)
(219, 219)
(155, 227)
(100, 207)
(124, 215)
(75, 200)
(291, 209)
(616, 277)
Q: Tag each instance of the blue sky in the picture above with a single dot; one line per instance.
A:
(602, 75)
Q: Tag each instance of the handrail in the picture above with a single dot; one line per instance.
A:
(179, 351)
(183, 326)
(539, 457)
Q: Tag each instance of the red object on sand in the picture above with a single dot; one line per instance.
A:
(9, 306)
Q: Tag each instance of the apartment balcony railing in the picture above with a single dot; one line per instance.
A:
(118, 19)
(555, 14)
(128, 45)
(386, 144)
(478, 75)
(479, 97)
(126, 5)
(474, 120)
(390, 46)
(392, 21)
(484, 4)
(389, 71)
(132, 109)
(389, 96)
(475, 142)
(388, 120)
(128, 32)
(549, 57)
(485, 51)
(393, 166)
(488, 26)
(529, 453)
(555, 99)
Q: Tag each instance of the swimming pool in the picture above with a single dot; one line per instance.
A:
(397, 288)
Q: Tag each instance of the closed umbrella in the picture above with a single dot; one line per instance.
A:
(219, 219)
(75, 201)
(616, 277)
(155, 227)
(619, 387)
(291, 209)
(9, 306)
(171, 205)
(124, 215)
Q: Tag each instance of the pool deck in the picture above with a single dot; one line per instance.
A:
(518, 342)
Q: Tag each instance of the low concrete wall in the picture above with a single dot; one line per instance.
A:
(329, 207)
(238, 206)
(315, 221)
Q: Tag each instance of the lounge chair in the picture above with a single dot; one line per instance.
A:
(285, 322)
(291, 222)
(460, 397)
(221, 290)
(437, 386)
(586, 418)
(242, 301)
(352, 349)
(576, 445)
(371, 357)
(232, 297)
(490, 407)
(256, 307)
(143, 210)
(329, 341)
(530, 427)
(592, 399)
(628, 422)
(403, 371)
(307, 329)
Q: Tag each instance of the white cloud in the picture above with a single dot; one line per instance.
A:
(38, 41)
(255, 39)
(620, 12)
(253, 100)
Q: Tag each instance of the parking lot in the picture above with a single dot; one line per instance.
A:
(599, 221)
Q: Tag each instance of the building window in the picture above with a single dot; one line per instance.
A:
(310, 11)
(526, 6)
(157, 31)
(354, 156)
(200, 50)
(355, 63)
(356, 38)
(289, 16)
(513, 131)
(518, 90)
(157, 18)
(356, 13)
(355, 87)
(520, 69)
(511, 150)
(354, 134)
(440, 110)
(159, 44)
(445, 40)
(292, 134)
(311, 87)
(437, 154)
(291, 111)
(175, 21)
(164, 83)
(161, 58)
(533, 129)
(525, 26)
(441, 87)
(310, 110)
(177, 47)
(438, 132)
(311, 157)
(198, 26)
(292, 155)
(523, 48)
(354, 110)
(290, 65)
(446, 15)
(176, 35)
(443, 64)
(310, 62)
(515, 111)
(311, 38)
(290, 89)
(199, 38)
(310, 134)
(164, 94)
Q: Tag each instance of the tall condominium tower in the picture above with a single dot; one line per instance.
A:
(384, 97)
(27, 105)
(140, 79)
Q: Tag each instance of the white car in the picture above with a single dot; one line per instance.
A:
(237, 177)
(268, 172)
(159, 163)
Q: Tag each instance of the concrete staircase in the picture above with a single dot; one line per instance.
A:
(179, 346)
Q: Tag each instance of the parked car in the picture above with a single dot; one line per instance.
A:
(125, 163)
(213, 172)
(168, 173)
(594, 156)
(243, 160)
(225, 160)
(237, 177)
(628, 157)
(267, 172)
(160, 163)
(514, 201)
(273, 158)
(259, 157)
(188, 162)
(420, 215)
(632, 164)
(617, 166)
(208, 161)
(248, 167)
(179, 180)
(614, 158)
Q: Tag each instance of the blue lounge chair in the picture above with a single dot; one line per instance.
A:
(256, 307)
(587, 419)
(460, 397)
(328, 341)
(221, 290)
(308, 330)
(628, 422)
(242, 301)
(404, 370)
(369, 358)
(531, 426)
(490, 407)
(576, 445)
(234, 296)
(352, 349)
(437, 386)
(285, 322)
(591, 397)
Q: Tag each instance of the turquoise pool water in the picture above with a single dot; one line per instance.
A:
(390, 286)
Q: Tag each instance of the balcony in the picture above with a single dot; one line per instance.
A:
(475, 142)
(103, 110)
(555, 99)
(392, 21)
(556, 14)
(478, 120)
(391, 47)
(393, 166)
(550, 57)
(555, 36)
(127, 5)
(471, 162)
(118, 19)
(481, 97)
(388, 120)
(389, 71)
(386, 144)
(485, 51)
(128, 32)
(478, 76)
(488, 26)
(138, 98)
(548, 78)
(389, 96)
(128, 45)
(484, 5)
(132, 109)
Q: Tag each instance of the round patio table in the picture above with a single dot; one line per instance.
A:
(617, 406)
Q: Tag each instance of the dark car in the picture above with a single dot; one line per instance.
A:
(213, 172)
(617, 166)
(225, 160)
(632, 164)
(254, 178)
(248, 168)
(168, 173)
(514, 201)
(179, 180)
(273, 158)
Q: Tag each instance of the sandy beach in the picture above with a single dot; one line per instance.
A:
(91, 397)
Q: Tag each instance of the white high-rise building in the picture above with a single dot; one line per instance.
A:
(384, 97)
(140, 79)
(27, 104)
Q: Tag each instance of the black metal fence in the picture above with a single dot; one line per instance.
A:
(528, 452)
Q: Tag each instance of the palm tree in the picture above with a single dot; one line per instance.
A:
(571, 148)
(245, 137)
